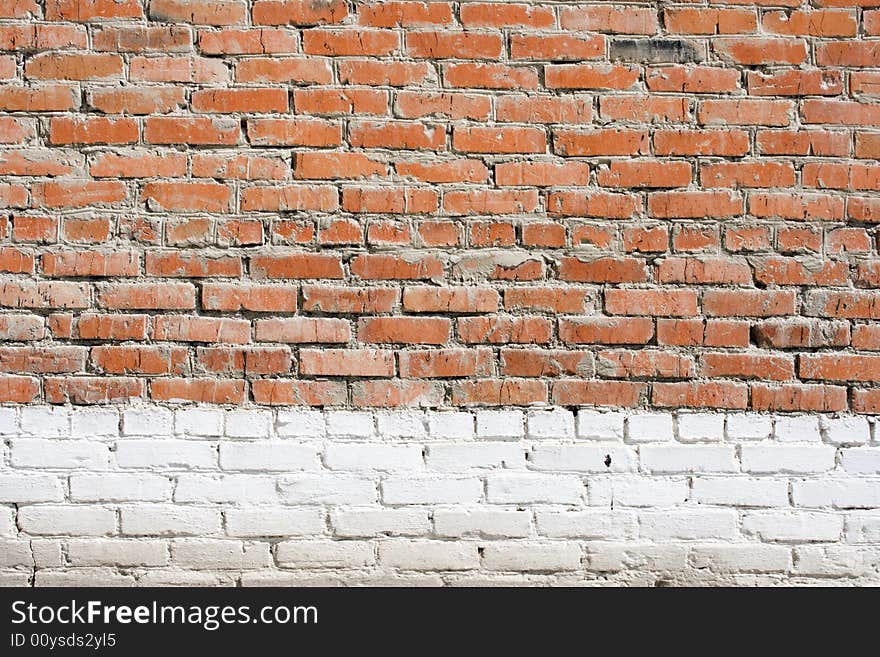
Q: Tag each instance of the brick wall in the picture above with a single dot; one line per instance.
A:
(654, 221)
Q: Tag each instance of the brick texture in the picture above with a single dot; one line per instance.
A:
(534, 292)
(148, 495)
(429, 204)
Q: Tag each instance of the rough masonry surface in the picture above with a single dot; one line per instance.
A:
(535, 292)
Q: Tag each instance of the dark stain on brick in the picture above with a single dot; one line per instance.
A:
(656, 51)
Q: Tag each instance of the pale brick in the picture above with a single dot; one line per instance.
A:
(262, 520)
(482, 522)
(325, 554)
(327, 489)
(593, 524)
(429, 555)
(500, 424)
(451, 425)
(248, 424)
(174, 454)
(557, 423)
(367, 522)
(793, 527)
(73, 455)
(463, 456)
(431, 489)
(582, 458)
(695, 458)
(847, 430)
(299, 423)
(796, 428)
(794, 459)
(650, 427)
(155, 421)
(390, 458)
(534, 489)
(268, 456)
(115, 487)
(740, 491)
(198, 421)
(595, 425)
(67, 520)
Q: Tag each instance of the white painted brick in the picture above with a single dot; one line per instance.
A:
(7, 522)
(825, 561)
(846, 430)
(117, 552)
(22, 488)
(796, 459)
(556, 423)
(464, 456)
(649, 491)
(244, 489)
(198, 421)
(862, 527)
(169, 520)
(148, 421)
(118, 487)
(594, 524)
(514, 488)
(47, 552)
(451, 425)
(268, 456)
(327, 488)
(15, 578)
(76, 454)
(429, 555)
(63, 520)
(370, 521)
(9, 420)
(595, 425)
(208, 554)
(740, 491)
(688, 524)
(612, 557)
(371, 456)
(259, 521)
(582, 458)
(500, 424)
(600, 490)
(840, 493)
(165, 453)
(401, 424)
(248, 424)
(350, 424)
(861, 460)
(792, 527)
(748, 426)
(532, 556)
(650, 427)
(796, 428)
(92, 423)
(325, 554)
(688, 458)
(700, 427)
(742, 558)
(82, 577)
(431, 489)
(482, 522)
(300, 423)
(15, 553)
(45, 421)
